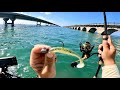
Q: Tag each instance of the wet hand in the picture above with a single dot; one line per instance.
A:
(43, 64)
(108, 53)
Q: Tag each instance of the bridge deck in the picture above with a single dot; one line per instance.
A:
(21, 16)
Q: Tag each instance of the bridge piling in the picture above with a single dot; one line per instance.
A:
(12, 19)
(9, 15)
(38, 23)
(5, 20)
(6, 23)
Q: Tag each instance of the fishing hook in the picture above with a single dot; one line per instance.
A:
(62, 43)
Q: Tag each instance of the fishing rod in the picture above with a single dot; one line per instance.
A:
(105, 38)
(105, 27)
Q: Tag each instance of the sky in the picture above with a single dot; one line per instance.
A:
(69, 18)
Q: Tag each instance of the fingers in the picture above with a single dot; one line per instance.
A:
(38, 48)
(105, 44)
(42, 63)
(105, 37)
(100, 46)
(36, 55)
(112, 47)
(37, 67)
(108, 45)
(110, 40)
(50, 58)
(100, 52)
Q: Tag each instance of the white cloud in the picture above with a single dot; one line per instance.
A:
(46, 13)
(1, 21)
(46, 19)
(56, 20)
(40, 17)
(18, 21)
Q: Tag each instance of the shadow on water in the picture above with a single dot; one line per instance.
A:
(8, 31)
(6, 41)
(7, 28)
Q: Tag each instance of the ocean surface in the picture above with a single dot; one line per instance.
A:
(19, 41)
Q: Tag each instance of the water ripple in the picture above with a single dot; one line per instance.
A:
(19, 41)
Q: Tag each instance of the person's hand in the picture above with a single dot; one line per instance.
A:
(108, 53)
(43, 64)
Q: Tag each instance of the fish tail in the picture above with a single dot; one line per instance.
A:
(81, 64)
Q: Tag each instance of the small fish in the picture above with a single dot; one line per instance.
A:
(68, 52)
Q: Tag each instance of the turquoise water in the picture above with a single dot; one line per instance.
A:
(19, 41)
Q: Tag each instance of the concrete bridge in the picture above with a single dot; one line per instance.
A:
(13, 16)
(99, 28)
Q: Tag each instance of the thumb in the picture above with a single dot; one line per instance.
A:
(105, 45)
(50, 58)
(110, 43)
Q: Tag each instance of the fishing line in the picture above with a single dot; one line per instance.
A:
(61, 42)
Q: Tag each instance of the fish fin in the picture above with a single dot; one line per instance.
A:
(80, 65)
(94, 77)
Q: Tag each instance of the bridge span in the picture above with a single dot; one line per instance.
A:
(13, 16)
(99, 28)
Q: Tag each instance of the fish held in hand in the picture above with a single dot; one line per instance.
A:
(65, 51)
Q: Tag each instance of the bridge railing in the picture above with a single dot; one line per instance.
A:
(109, 24)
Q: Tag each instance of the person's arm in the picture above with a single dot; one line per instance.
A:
(110, 69)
